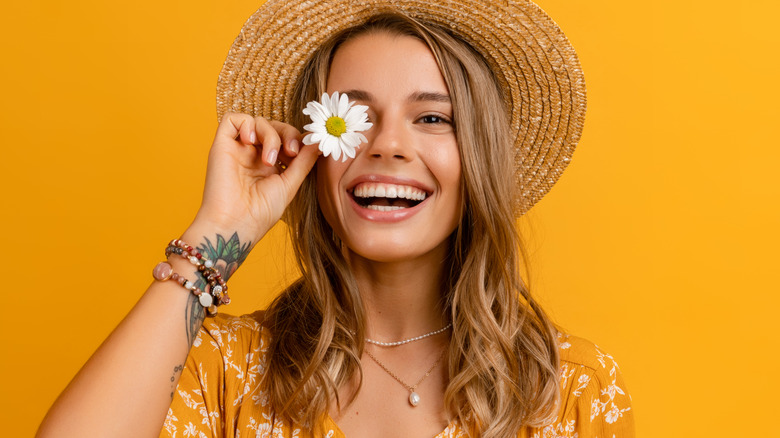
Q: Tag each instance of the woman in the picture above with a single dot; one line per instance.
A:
(410, 317)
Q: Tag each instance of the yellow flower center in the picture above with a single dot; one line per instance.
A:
(335, 126)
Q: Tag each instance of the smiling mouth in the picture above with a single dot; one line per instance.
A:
(387, 197)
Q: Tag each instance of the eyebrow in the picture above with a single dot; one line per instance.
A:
(419, 96)
(365, 96)
(427, 96)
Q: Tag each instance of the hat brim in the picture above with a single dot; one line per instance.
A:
(536, 66)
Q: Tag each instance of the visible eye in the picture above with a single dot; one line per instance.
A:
(433, 119)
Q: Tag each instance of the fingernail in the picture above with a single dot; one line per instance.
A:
(252, 137)
(272, 157)
(294, 146)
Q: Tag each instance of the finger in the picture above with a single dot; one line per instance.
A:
(300, 167)
(291, 138)
(269, 139)
(237, 126)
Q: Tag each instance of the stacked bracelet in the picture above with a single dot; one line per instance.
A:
(216, 284)
(163, 271)
(216, 290)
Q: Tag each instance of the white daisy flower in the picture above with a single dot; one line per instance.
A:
(336, 125)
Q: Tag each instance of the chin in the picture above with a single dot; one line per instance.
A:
(385, 249)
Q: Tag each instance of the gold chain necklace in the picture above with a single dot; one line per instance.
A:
(414, 397)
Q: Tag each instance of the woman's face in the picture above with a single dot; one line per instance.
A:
(411, 153)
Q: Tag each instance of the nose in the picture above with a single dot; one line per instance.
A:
(389, 139)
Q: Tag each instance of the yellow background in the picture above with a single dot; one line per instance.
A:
(659, 243)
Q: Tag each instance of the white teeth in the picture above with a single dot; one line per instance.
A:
(383, 207)
(378, 190)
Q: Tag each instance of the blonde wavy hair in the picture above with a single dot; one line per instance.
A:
(503, 353)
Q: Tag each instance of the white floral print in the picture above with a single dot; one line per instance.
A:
(220, 393)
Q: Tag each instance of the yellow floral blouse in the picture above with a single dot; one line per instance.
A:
(219, 393)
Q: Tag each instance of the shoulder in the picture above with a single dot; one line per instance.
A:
(592, 387)
(576, 351)
(231, 345)
(222, 373)
(233, 330)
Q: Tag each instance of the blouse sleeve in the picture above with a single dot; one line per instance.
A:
(223, 368)
(596, 401)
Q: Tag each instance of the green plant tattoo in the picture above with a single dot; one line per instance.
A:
(227, 256)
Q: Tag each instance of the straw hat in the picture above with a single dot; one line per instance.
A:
(535, 63)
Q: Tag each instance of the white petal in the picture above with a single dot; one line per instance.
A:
(360, 108)
(323, 146)
(343, 106)
(350, 139)
(365, 126)
(316, 112)
(358, 118)
(326, 101)
(363, 138)
(309, 108)
(334, 103)
(326, 145)
(352, 118)
(315, 127)
(349, 152)
(313, 138)
(335, 147)
(322, 114)
(319, 118)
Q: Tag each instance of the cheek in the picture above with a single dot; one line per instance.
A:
(446, 167)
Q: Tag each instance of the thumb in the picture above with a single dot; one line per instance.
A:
(299, 167)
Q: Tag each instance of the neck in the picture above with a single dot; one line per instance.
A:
(402, 299)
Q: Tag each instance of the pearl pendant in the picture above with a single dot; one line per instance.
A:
(414, 399)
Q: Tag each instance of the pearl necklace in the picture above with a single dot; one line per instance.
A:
(406, 341)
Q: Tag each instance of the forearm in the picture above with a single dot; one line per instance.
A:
(125, 388)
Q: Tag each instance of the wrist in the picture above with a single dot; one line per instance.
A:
(249, 229)
(227, 249)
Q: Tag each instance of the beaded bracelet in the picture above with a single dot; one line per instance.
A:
(217, 286)
(177, 246)
(164, 271)
(216, 290)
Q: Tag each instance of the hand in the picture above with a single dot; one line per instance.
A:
(246, 191)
